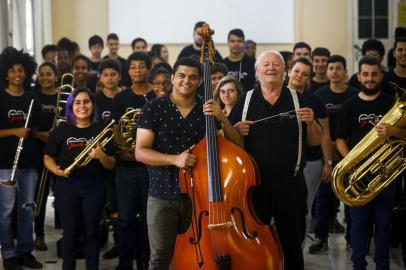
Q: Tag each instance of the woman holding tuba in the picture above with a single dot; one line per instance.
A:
(81, 195)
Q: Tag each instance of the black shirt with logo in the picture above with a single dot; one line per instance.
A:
(104, 106)
(48, 105)
(68, 141)
(358, 117)
(173, 135)
(333, 103)
(273, 143)
(13, 114)
(243, 70)
(123, 102)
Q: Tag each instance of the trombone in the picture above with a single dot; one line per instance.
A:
(64, 90)
(83, 158)
(11, 182)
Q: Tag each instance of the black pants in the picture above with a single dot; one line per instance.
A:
(285, 201)
(80, 203)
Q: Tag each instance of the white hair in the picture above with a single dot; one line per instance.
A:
(266, 53)
(262, 55)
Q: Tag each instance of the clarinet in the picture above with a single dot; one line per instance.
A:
(11, 182)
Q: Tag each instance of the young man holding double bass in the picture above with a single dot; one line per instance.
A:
(167, 128)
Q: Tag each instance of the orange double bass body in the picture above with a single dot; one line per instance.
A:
(224, 232)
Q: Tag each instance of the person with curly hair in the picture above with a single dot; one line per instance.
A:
(16, 71)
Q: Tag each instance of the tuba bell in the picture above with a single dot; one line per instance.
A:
(374, 163)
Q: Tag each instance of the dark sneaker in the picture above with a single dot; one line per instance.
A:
(29, 261)
(12, 264)
(111, 253)
(318, 246)
(40, 244)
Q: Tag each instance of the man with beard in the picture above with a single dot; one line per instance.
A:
(193, 50)
(358, 116)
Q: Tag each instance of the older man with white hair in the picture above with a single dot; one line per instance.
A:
(275, 122)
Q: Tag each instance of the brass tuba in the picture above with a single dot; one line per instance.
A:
(126, 129)
(83, 158)
(374, 163)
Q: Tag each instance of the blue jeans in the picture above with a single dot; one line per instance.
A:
(379, 212)
(23, 196)
(80, 202)
(324, 209)
(132, 234)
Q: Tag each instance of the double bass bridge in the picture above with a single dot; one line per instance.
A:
(219, 226)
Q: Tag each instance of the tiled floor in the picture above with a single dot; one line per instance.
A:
(336, 258)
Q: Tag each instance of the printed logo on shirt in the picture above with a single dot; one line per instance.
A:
(238, 75)
(16, 115)
(106, 117)
(333, 108)
(366, 120)
(48, 109)
(73, 142)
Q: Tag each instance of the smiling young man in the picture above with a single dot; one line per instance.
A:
(239, 65)
(320, 57)
(358, 116)
(167, 128)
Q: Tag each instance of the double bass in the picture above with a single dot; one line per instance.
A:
(224, 232)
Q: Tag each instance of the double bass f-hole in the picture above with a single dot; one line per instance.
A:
(254, 234)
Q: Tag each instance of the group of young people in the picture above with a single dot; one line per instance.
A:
(297, 121)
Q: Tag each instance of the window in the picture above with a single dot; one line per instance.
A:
(373, 19)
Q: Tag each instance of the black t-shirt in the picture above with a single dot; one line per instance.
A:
(13, 114)
(104, 106)
(48, 105)
(123, 102)
(314, 152)
(190, 51)
(243, 70)
(333, 103)
(173, 135)
(354, 82)
(93, 75)
(273, 143)
(399, 81)
(354, 120)
(314, 86)
(68, 141)
(125, 77)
